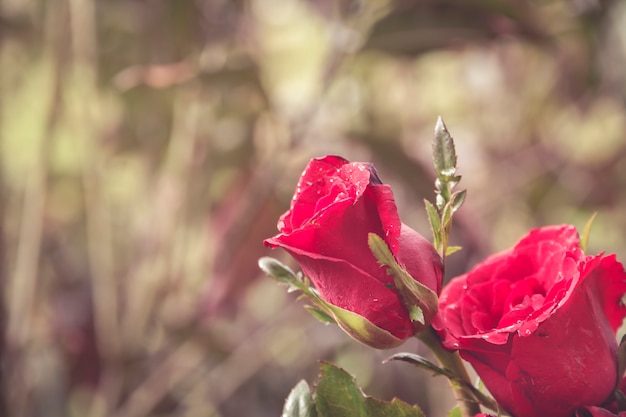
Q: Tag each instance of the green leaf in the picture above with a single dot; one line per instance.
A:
(420, 362)
(586, 231)
(299, 403)
(453, 181)
(458, 199)
(452, 249)
(446, 215)
(440, 200)
(413, 292)
(280, 272)
(338, 395)
(444, 154)
(435, 222)
(395, 408)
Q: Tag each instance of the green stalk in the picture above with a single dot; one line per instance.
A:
(452, 361)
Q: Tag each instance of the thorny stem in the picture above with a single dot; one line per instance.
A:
(452, 361)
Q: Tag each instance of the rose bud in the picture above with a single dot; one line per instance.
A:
(537, 322)
(336, 205)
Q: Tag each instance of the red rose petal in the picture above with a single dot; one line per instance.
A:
(553, 347)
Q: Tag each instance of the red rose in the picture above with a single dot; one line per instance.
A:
(336, 205)
(538, 322)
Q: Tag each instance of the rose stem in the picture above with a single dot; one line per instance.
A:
(452, 361)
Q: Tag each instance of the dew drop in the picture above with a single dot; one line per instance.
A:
(374, 305)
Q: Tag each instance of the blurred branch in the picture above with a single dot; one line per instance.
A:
(249, 356)
(155, 76)
(185, 369)
(22, 283)
(153, 275)
(4, 277)
(106, 304)
(413, 28)
(170, 371)
(97, 207)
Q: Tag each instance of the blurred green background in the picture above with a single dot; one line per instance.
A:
(147, 148)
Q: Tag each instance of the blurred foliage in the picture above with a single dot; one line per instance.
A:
(148, 147)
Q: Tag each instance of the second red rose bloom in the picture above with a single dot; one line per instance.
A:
(538, 323)
(336, 205)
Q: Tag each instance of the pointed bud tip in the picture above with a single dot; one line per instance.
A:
(440, 125)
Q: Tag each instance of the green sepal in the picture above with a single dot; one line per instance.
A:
(320, 314)
(412, 292)
(584, 239)
(360, 328)
(300, 403)
(338, 395)
(416, 314)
